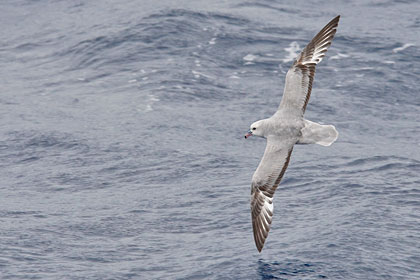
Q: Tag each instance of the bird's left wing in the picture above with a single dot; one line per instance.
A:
(300, 76)
(264, 183)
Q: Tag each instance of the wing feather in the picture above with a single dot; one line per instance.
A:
(264, 183)
(300, 76)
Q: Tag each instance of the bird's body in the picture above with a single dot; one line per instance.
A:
(286, 128)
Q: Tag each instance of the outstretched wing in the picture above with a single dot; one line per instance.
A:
(264, 183)
(300, 76)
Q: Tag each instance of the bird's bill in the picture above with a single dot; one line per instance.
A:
(249, 133)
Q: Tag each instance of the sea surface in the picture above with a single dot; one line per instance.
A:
(122, 153)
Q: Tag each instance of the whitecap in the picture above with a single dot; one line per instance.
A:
(148, 108)
(144, 108)
(199, 74)
(249, 57)
(402, 48)
(339, 56)
(293, 51)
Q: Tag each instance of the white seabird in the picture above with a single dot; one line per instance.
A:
(286, 128)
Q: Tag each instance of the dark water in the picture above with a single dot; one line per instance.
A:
(122, 153)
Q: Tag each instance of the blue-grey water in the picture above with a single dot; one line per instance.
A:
(121, 140)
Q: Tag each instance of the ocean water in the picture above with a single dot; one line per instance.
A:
(121, 140)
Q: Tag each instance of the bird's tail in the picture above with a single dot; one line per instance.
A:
(315, 133)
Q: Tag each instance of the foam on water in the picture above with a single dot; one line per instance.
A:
(403, 47)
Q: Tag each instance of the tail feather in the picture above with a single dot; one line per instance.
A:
(315, 133)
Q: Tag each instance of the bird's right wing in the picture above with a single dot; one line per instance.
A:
(264, 183)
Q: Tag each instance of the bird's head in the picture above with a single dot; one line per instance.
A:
(257, 129)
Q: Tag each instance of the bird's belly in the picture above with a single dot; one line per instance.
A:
(289, 130)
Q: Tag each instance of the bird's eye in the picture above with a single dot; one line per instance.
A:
(254, 128)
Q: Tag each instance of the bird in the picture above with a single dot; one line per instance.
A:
(286, 128)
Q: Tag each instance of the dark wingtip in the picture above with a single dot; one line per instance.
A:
(334, 22)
